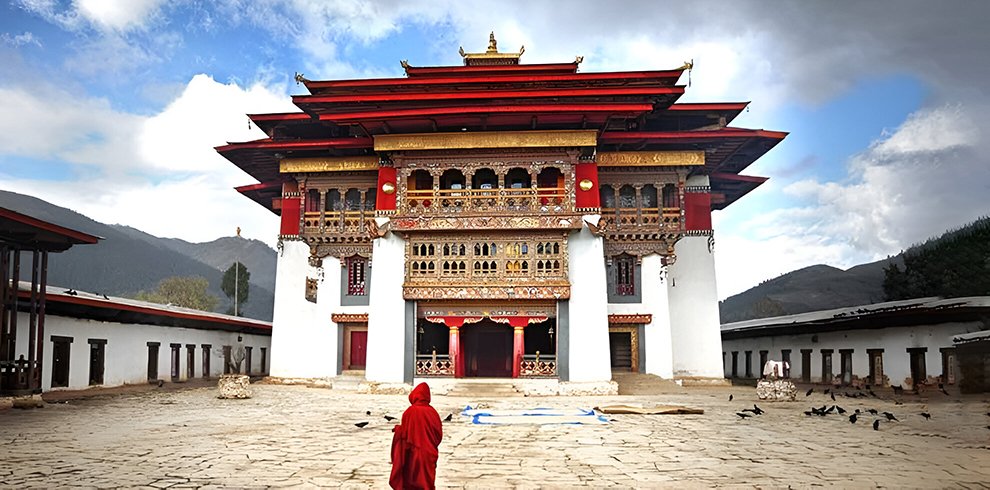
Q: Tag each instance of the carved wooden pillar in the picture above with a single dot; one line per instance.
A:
(454, 352)
(639, 203)
(323, 210)
(518, 349)
(534, 200)
(362, 206)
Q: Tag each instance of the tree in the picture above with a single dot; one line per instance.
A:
(235, 280)
(188, 292)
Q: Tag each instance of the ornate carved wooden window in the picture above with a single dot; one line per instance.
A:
(625, 279)
(312, 201)
(311, 290)
(356, 274)
(486, 260)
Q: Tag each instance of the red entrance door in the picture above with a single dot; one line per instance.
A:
(359, 349)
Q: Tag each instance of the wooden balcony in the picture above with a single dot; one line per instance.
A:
(434, 365)
(643, 220)
(486, 201)
(337, 226)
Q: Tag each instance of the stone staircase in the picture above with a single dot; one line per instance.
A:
(483, 389)
(644, 384)
(348, 381)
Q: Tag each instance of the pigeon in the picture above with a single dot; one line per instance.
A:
(449, 417)
(809, 413)
(105, 296)
(161, 383)
(730, 398)
(852, 419)
(889, 416)
(827, 390)
(367, 412)
(812, 389)
(743, 414)
(876, 425)
(926, 415)
(873, 411)
(389, 418)
(840, 410)
(857, 410)
(361, 424)
(833, 396)
(71, 292)
(830, 409)
(757, 410)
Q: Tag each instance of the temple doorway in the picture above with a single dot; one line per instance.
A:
(487, 350)
(623, 342)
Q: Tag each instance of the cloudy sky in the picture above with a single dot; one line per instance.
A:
(112, 107)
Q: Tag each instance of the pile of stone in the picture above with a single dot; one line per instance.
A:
(234, 386)
(776, 390)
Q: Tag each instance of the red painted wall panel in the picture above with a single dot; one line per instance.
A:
(386, 202)
(590, 197)
(697, 211)
(290, 216)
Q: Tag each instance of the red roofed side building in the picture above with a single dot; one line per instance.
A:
(518, 221)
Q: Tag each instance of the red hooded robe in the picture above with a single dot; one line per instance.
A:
(415, 442)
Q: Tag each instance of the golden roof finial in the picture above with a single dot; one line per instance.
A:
(492, 43)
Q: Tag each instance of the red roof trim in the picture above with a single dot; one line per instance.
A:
(281, 116)
(80, 237)
(391, 82)
(264, 186)
(709, 106)
(433, 70)
(576, 92)
(490, 109)
(268, 143)
(673, 135)
(738, 178)
(109, 304)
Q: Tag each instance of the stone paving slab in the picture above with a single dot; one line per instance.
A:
(299, 437)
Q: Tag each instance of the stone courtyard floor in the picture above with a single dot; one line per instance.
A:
(297, 436)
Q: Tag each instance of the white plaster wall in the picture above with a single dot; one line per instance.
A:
(894, 341)
(126, 350)
(588, 332)
(386, 311)
(694, 320)
(304, 339)
(656, 340)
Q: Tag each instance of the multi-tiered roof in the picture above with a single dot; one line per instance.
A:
(492, 91)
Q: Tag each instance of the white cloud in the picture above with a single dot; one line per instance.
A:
(118, 15)
(159, 174)
(928, 175)
(22, 39)
(206, 114)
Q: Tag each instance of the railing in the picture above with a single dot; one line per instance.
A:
(446, 201)
(533, 366)
(667, 219)
(434, 365)
(341, 222)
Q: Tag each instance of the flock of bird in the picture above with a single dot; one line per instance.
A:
(826, 410)
(389, 418)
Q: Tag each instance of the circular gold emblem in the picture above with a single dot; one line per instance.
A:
(586, 185)
(388, 188)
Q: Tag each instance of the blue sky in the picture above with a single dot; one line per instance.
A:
(111, 108)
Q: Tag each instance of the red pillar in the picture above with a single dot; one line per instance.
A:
(454, 351)
(518, 348)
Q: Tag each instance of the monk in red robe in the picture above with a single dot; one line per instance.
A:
(415, 442)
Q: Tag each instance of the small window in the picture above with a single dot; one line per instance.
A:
(356, 274)
(311, 289)
(625, 270)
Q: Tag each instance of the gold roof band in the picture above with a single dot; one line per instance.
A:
(488, 139)
(327, 164)
(650, 158)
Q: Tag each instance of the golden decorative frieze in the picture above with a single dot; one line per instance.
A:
(650, 158)
(488, 139)
(485, 222)
(431, 309)
(349, 317)
(328, 164)
(486, 292)
(635, 319)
